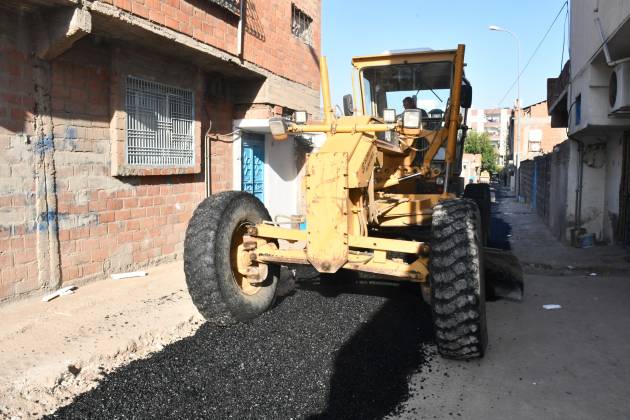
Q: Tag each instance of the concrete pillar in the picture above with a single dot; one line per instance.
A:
(60, 29)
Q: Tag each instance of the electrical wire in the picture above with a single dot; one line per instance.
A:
(564, 38)
(565, 4)
(223, 138)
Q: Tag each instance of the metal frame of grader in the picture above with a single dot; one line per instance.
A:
(356, 183)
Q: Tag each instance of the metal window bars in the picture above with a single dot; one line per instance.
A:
(160, 129)
(301, 26)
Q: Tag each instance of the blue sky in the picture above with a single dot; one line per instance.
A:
(363, 27)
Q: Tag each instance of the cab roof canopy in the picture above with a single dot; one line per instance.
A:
(403, 57)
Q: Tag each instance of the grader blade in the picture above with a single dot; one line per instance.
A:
(327, 213)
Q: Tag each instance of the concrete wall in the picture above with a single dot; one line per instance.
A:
(614, 163)
(589, 72)
(558, 190)
(283, 166)
(548, 184)
(598, 131)
(585, 40)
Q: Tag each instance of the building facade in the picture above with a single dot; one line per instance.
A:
(537, 137)
(494, 122)
(471, 168)
(591, 100)
(117, 117)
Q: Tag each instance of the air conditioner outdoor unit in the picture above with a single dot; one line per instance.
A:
(619, 89)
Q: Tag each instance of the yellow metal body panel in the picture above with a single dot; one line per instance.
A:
(347, 183)
(361, 165)
(402, 58)
(377, 264)
(456, 93)
(354, 241)
(327, 211)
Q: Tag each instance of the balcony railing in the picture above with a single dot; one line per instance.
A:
(233, 6)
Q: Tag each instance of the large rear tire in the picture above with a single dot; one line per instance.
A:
(457, 280)
(220, 293)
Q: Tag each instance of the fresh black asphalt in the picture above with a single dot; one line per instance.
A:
(323, 352)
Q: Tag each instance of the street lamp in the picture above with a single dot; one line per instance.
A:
(518, 103)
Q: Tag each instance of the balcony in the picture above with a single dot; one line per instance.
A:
(557, 89)
(232, 6)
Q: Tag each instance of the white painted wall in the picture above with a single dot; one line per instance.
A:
(282, 184)
(614, 162)
(589, 72)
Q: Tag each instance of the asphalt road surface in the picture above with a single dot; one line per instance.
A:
(366, 352)
(321, 353)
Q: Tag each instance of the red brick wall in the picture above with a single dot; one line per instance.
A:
(535, 117)
(112, 224)
(106, 224)
(269, 26)
(18, 265)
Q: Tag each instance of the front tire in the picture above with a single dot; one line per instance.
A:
(219, 292)
(457, 280)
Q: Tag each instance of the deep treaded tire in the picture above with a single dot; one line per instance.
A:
(457, 280)
(208, 263)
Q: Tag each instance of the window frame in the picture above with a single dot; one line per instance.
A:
(164, 88)
(298, 13)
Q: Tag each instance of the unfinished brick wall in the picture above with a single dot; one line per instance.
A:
(18, 265)
(103, 223)
(535, 117)
(106, 224)
(268, 27)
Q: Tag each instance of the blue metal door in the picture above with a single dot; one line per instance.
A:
(253, 165)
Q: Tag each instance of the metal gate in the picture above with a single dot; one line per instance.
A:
(623, 228)
(253, 165)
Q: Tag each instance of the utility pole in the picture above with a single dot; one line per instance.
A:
(517, 134)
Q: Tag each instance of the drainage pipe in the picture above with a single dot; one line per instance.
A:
(240, 31)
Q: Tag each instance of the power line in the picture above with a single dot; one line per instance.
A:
(564, 38)
(565, 4)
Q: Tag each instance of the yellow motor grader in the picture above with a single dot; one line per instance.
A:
(382, 196)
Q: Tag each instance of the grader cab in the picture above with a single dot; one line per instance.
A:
(382, 196)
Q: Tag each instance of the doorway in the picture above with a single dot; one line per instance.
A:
(253, 164)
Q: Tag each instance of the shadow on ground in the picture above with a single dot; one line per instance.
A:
(500, 230)
(313, 356)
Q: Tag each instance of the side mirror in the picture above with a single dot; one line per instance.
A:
(348, 105)
(466, 98)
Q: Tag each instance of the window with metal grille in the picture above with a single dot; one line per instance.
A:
(160, 129)
(231, 5)
(301, 25)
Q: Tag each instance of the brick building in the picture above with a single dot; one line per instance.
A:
(537, 135)
(118, 116)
